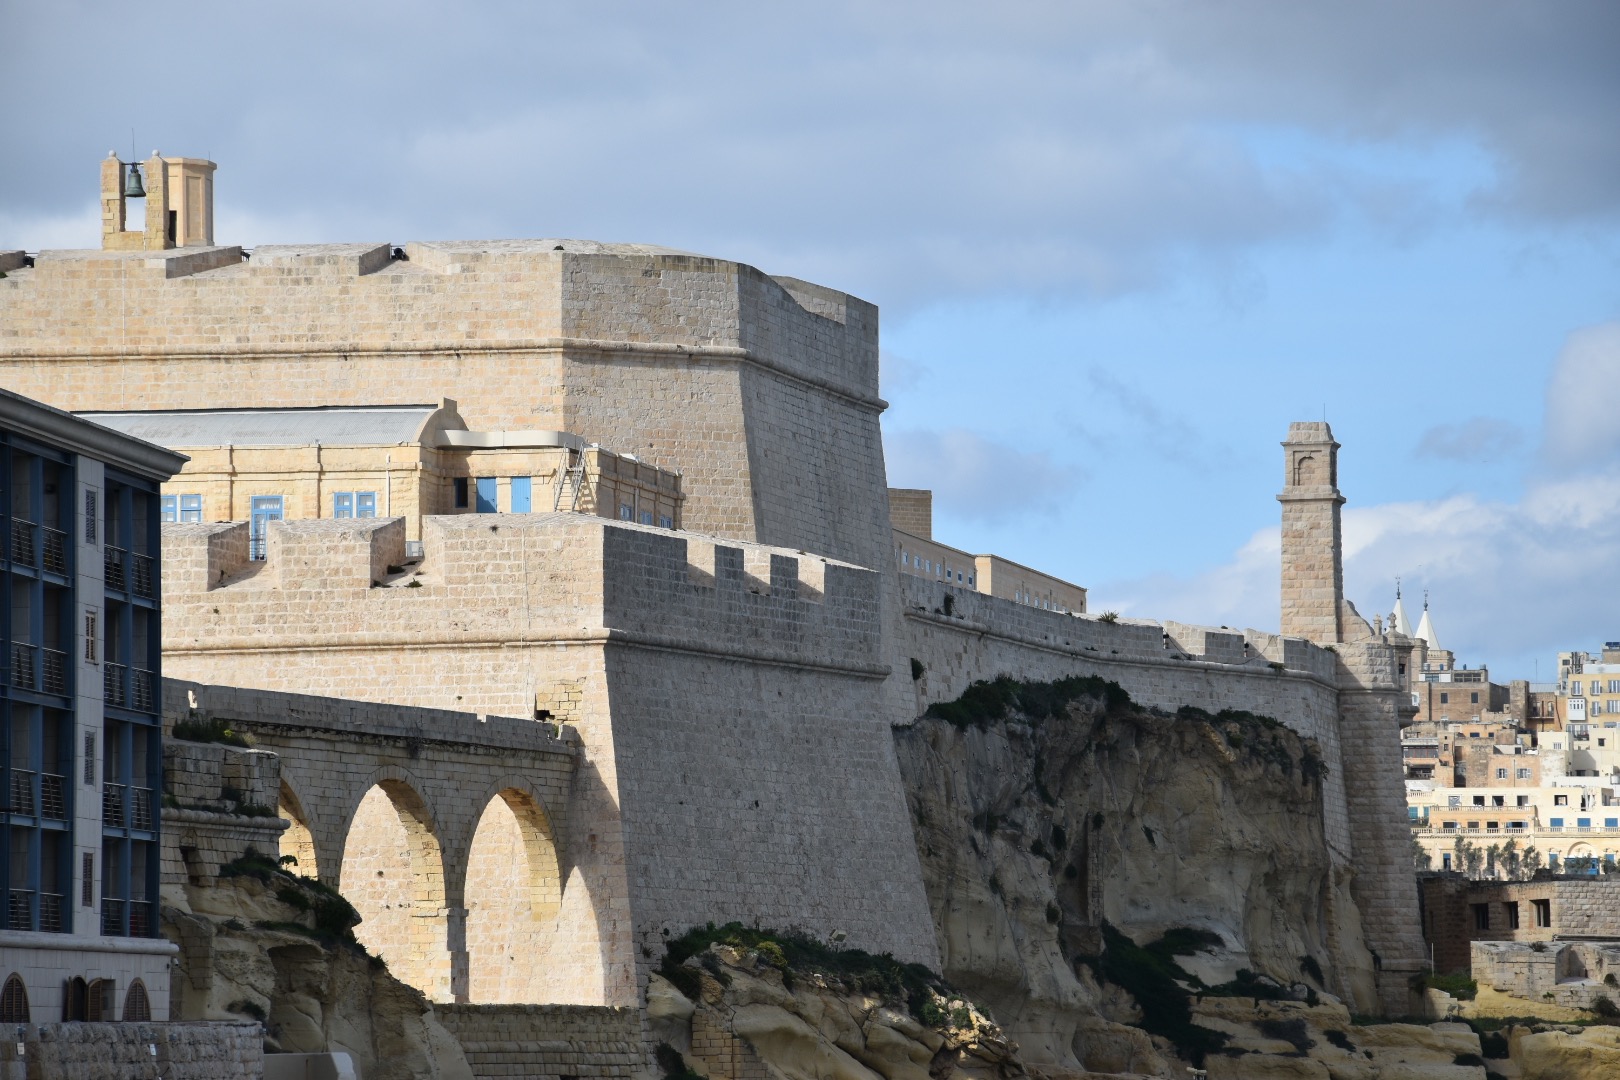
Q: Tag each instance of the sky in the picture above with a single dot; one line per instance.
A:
(1117, 247)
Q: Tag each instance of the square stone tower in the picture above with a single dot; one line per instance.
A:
(1312, 554)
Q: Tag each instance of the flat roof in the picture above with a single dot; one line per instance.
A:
(371, 425)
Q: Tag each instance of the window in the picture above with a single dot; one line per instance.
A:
(1501, 774)
(1448, 824)
(190, 509)
(1453, 801)
(1445, 860)
(1543, 908)
(1498, 800)
(1522, 774)
(354, 504)
(1479, 800)
(970, 579)
(89, 515)
(1473, 824)
(1512, 910)
(1445, 698)
(1552, 863)
(484, 495)
(1473, 698)
(1614, 686)
(459, 486)
(1583, 823)
(137, 1009)
(627, 512)
(1555, 823)
(646, 517)
(262, 510)
(1611, 823)
(90, 637)
(169, 508)
(1482, 916)
(665, 521)
(1560, 800)
(14, 1001)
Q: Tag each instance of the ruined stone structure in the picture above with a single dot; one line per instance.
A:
(730, 688)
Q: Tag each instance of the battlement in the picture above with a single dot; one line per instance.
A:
(515, 578)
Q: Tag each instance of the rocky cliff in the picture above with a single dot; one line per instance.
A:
(1055, 819)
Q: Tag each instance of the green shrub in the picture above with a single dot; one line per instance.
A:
(1459, 984)
(210, 730)
(986, 702)
(1603, 1006)
(1151, 975)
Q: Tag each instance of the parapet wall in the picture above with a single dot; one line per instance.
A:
(214, 1050)
(547, 1041)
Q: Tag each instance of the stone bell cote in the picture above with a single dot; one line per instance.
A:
(1312, 545)
(171, 205)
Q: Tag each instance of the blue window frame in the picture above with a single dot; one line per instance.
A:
(191, 508)
(486, 495)
(261, 511)
(1557, 822)
(365, 504)
(522, 494)
(170, 510)
(646, 517)
(1611, 823)
(353, 504)
(342, 504)
(1583, 823)
(665, 521)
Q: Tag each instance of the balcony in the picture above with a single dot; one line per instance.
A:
(112, 806)
(23, 552)
(115, 684)
(55, 551)
(112, 917)
(19, 911)
(54, 669)
(143, 690)
(140, 808)
(24, 666)
(114, 564)
(141, 575)
(53, 797)
(140, 918)
(50, 912)
(22, 792)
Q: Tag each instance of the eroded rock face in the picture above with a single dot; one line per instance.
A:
(1034, 832)
(313, 995)
(749, 1014)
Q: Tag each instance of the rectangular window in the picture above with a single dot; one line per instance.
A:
(627, 512)
(1614, 686)
(1512, 908)
(1583, 823)
(486, 487)
(1543, 908)
(1445, 860)
(190, 509)
(1501, 774)
(90, 637)
(87, 883)
(1522, 774)
(90, 758)
(522, 495)
(89, 516)
(1479, 800)
(343, 504)
(646, 517)
(1445, 698)
(1473, 698)
(262, 510)
(1555, 823)
(665, 521)
(365, 504)
(459, 484)
(1560, 800)
(169, 507)
(1482, 916)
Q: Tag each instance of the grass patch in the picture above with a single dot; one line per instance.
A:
(1459, 984)
(986, 702)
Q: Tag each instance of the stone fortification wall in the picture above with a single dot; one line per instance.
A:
(547, 1042)
(83, 1051)
(702, 679)
(1567, 973)
(762, 392)
(1165, 665)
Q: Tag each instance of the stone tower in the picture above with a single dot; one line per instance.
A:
(1312, 559)
(178, 210)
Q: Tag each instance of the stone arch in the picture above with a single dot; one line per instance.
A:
(14, 1001)
(513, 888)
(393, 874)
(298, 840)
(1308, 471)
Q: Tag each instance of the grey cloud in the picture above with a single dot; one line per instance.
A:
(908, 152)
(1479, 439)
(1582, 425)
(978, 478)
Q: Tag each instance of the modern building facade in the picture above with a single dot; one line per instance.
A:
(82, 734)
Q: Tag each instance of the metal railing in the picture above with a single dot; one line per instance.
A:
(115, 684)
(22, 542)
(50, 912)
(140, 808)
(22, 792)
(114, 564)
(141, 574)
(143, 690)
(53, 796)
(140, 918)
(23, 667)
(112, 917)
(54, 669)
(55, 550)
(20, 910)
(112, 806)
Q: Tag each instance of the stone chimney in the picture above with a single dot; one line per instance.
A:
(1312, 552)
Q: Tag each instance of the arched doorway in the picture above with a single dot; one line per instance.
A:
(513, 893)
(297, 840)
(393, 873)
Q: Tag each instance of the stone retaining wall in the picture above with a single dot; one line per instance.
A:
(81, 1051)
(547, 1042)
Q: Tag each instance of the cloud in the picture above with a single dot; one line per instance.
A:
(1583, 399)
(908, 152)
(978, 478)
(1478, 439)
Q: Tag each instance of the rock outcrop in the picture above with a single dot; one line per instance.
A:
(260, 943)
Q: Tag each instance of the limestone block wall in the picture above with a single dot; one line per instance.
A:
(84, 1051)
(547, 1042)
(1568, 973)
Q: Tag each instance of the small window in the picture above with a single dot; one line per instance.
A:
(1445, 860)
(14, 1001)
(1555, 823)
(190, 509)
(459, 485)
(1473, 698)
(89, 515)
(1445, 698)
(1583, 823)
(627, 512)
(169, 507)
(1512, 910)
(1501, 774)
(1524, 800)
(1479, 800)
(665, 521)
(1523, 774)
(1543, 908)
(87, 880)
(90, 637)
(90, 759)
(1482, 916)
(646, 517)
(365, 504)
(1560, 800)
(343, 504)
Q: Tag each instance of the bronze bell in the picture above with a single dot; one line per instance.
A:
(132, 183)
